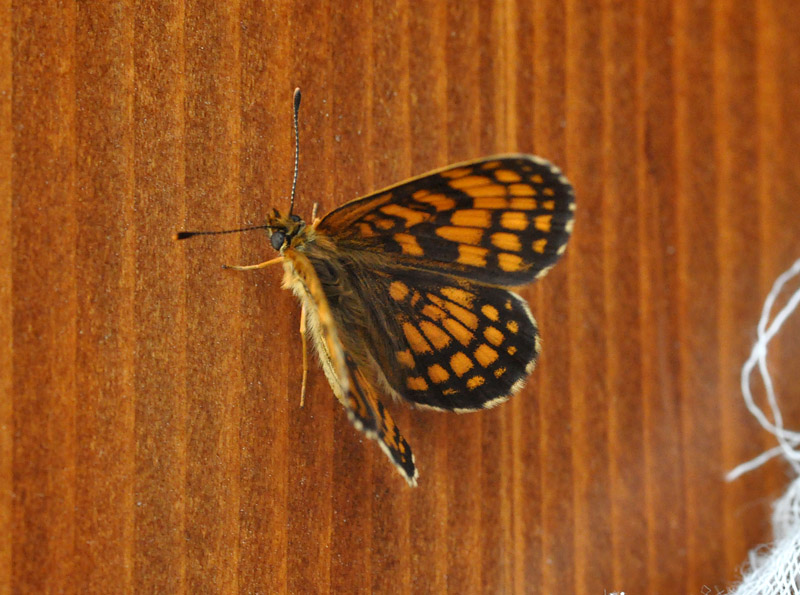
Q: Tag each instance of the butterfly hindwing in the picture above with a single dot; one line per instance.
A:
(369, 415)
(444, 342)
(502, 220)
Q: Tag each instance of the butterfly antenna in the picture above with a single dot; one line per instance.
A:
(296, 145)
(182, 235)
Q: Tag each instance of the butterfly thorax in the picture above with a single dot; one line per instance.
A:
(320, 272)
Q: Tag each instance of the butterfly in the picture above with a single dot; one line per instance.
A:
(406, 292)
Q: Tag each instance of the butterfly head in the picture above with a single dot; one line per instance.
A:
(284, 229)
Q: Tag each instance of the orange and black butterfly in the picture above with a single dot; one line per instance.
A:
(405, 292)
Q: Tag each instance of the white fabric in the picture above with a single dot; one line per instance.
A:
(773, 569)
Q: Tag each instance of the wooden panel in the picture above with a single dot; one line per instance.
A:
(151, 437)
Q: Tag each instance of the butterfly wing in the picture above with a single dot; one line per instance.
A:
(368, 414)
(348, 378)
(439, 341)
(502, 220)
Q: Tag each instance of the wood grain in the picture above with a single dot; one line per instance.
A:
(151, 438)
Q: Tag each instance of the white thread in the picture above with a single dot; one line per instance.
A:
(773, 569)
(788, 440)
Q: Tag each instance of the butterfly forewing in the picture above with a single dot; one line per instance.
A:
(502, 220)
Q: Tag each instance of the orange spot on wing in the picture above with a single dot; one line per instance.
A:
(462, 235)
(506, 241)
(416, 383)
(538, 245)
(415, 339)
(408, 244)
(405, 358)
(493, 335)
(438, 374)
(469, 182)
(459, 296)
(490, 312)
(475, 382)
(505, 175)
(490, 202)
(492, 190)
(485, 355)
(433, 312)
(398, 291)
(512, 326)
(514, 220)
(543, 222)
(410, 216)
(537, 179)
(490, 165)
(458, 172)
(523, 204)
(499, 372)
(472, 255)
(463, 315)
(438, 201)
(522, 190)
(458, 330)
(460, 364)
(471, 218)
(509, 262)
(549, 204)
(435, 335)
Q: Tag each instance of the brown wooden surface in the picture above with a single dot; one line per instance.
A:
(150, 433)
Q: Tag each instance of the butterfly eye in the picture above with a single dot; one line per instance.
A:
(277, 239)
(295, 217)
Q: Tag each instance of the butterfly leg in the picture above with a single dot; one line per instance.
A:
(305, 354)
(252, 267)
